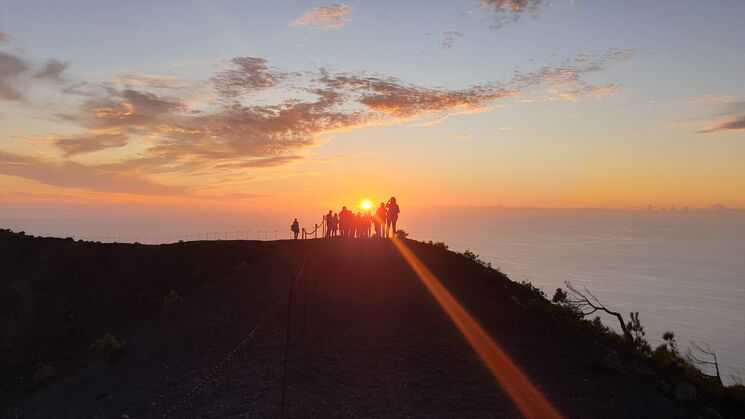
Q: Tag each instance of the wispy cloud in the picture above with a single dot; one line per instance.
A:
(11, 68)
(734, 123)
(261, 118)
(69, 174)
(17, 73)
(449, 38)
(163, 81)
(51, 70)
(246, 75)
(566, 80)
(729, 117)
(330, 16)
(505, 11)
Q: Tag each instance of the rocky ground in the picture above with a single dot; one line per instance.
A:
(366, 337)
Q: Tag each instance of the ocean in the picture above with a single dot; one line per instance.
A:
(683, 271)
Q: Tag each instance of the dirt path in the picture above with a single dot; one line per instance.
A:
(367, 340)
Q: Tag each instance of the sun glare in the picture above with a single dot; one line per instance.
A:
(366, 204)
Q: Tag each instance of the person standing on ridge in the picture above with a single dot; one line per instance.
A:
(393, 211)
(379, 220)
(329, 219)
(366, 226)
(344, 221)
(334, 225)
(295, 228)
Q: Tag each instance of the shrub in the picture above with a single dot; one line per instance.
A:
(532, 289)
(401, 234)
(636, 329)
(109, 347)
(43, 373)
(171, 300)
(473, 257)
(441, 245)
(560, 296)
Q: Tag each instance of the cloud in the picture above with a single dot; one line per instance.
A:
(566, 80)
(504, 11)
(237, 134)
(147, 80)
(91, 142)
(51, 70)
(17, 72)
(266, 162)
(393, 98)
(261, 117)
(11, 67)
(112, 120)
(462, 137)
(5, 37)
(736, 123)
(330, 16)
(449, 38)
(247, 75)
(731, 116)
(74, 175)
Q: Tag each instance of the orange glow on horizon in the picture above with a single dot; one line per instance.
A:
(528, 399)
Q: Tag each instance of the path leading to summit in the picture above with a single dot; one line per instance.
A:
(370, 335)
(368, 339)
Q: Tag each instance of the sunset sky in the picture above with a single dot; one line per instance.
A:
(266, 105)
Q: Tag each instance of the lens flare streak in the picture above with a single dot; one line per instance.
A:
(528, 399)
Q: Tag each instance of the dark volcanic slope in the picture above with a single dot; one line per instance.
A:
(366, 337)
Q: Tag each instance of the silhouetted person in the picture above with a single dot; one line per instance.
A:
(379, 219)
(295, 228)
(345, 222)
(329, 218)
(367, 220)
(358, 225)
(334, 225)
(392, 218)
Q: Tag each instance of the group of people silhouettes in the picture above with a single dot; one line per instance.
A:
(346, 223)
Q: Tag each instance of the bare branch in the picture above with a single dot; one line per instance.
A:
(706, 357)
(587, 303)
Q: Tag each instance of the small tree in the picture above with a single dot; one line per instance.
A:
(706, 357)
(672, 346)
(586, 303)
(634, 326)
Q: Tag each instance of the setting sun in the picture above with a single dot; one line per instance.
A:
(366, 204)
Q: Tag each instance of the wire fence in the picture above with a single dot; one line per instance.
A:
(198, 236)
(317, 231)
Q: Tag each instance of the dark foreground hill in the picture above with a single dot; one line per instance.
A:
(366, 337)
